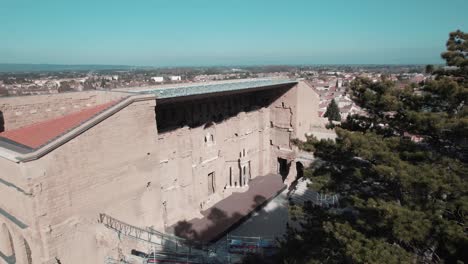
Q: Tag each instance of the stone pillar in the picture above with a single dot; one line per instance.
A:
(292, 174)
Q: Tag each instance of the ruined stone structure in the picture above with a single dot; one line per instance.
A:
(150, 158)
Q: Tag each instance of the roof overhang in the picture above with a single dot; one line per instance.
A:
(168, 100)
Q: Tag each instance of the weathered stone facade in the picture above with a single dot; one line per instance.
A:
(151, 163)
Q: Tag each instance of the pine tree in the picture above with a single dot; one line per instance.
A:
(402, 201)
(429, 69)
(333, 112)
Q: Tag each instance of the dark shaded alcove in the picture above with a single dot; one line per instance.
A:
(300, 170)
(2, 122)
(283, 168)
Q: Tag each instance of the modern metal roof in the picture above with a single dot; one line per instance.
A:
(171, 92)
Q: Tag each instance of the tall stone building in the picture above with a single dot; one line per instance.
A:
(150, 158)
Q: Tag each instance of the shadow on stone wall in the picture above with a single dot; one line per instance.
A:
(198, 112)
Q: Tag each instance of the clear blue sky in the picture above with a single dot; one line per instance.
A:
(227, 32)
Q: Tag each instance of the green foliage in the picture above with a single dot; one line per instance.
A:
(429, 69)
(402, 201)
(333, 112)
(307, 145)
(457, 46)
(296, 212)
(359, 249)
(436, 110)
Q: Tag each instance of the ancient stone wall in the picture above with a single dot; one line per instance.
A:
(283, 116)
(293, 114)
(16, 214)
(20, 111)
(110, 168)
(150, 165)
(211, 147)
(15, 191)
(233, 151)
(307, 110)
(14, 246)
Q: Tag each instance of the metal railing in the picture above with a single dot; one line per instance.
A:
(169, 248)
(150, 235)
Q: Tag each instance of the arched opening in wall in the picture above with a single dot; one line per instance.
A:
(2, 122)
(23, 251)
(300, 170)
(283, 168)
(6, 243)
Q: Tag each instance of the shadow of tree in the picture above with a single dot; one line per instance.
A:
(198, 239)
(217, 222)
(193, 240)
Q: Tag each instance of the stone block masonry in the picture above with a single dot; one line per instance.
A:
(149, 163)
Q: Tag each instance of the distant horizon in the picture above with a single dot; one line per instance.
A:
(220, 65)
(162, 33)
(439, 61)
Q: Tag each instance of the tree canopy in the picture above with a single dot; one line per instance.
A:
(429, 69)
(333, 112)
(401, 200)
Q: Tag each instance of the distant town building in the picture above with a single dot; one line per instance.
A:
(158, 79)
(339, 83)
(111, 78)
(176, 78)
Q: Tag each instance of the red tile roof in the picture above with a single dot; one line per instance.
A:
(40, 133)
